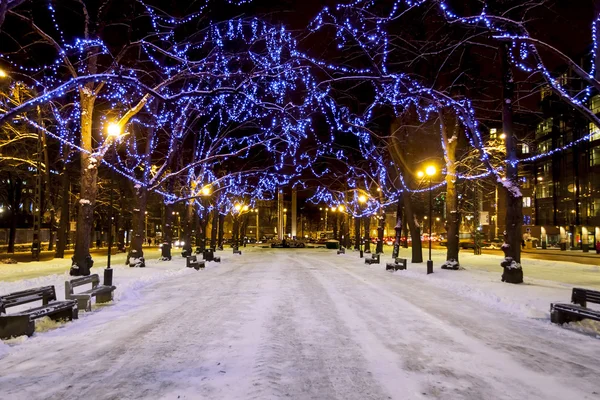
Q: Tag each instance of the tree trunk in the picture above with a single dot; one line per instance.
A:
(398, 227)
(449, 135)
(63, 227)
(415, 231)
(236, 231)
(357, 233)
(135, 257)
(12, 233)
(188, 228)
(221, 230)
(82, 260)
(367, 220)
(380, 229)
(513, 272)
(214, 227)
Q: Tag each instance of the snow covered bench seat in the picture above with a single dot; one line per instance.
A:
(236, 250)
(102, 293)
(341, 251)
(373, 260)
(398, 264)
(22, 322)
(564, 313)
(192, 262)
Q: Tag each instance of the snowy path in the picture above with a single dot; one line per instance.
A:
(302, 324)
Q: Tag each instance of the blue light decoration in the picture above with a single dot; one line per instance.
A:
(243, 90)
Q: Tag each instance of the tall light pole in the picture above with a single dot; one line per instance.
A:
(362, 199)
(430, 171)
(114, 132)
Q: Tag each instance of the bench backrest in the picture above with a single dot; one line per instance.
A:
(46, 294)
(582, 296)
(94, 279)
(190, 259)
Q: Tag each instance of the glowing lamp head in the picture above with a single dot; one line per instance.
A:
(420, 174)
(237, 207)
(285, 210)
(3, 73)
(341, 208)
(430, 171)
(503, 136)
(206, 191)
(362, 198)
(113, 129)
(333, 209)
(245, 208)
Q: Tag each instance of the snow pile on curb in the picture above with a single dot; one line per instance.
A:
(529, 300)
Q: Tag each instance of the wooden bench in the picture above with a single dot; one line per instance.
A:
(373, 260)
(236, 250)
(192, 262)
(102, 293)
(209, 255)
(564, 313)
(398, 264)
(341, 251)
(22, 322)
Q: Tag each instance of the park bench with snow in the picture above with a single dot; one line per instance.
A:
(236, 250)
(102, 293)
(373, 260)
(576, 311)
(398, 264)
(23, 322)
(341, 251)
(192, 262)
(209, 255)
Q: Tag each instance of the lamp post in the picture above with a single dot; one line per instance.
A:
(361, 200)
(430, 171)
(114, 131)
(205, 193)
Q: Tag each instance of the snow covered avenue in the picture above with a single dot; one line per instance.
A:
(308, 324)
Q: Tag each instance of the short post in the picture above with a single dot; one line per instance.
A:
(429, 267)
(108, 276)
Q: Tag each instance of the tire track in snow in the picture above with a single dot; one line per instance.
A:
(475, 331)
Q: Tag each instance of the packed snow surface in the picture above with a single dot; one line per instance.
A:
(307, 324)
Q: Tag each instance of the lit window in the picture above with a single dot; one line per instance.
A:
(546, 91)
(595, 104)
(544, 127)
(594, 132)
(563, 79)
(526, 201)
(595, 156)
(524, 148)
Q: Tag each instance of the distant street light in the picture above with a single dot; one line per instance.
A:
(3, 73)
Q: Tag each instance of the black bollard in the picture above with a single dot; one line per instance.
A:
(361, 254)
(108, 276)
(429, 267)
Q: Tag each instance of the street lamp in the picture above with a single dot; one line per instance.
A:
(361, 200)
(113, 130)
(3, 73)
(430, 171)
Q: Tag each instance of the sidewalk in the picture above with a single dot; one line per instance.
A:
(25, 256)
(573, 256)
